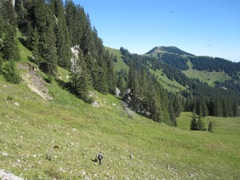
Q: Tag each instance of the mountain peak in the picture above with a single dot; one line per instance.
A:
(167, 49)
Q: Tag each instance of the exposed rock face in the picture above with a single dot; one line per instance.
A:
(74, 59)
(34, 81)
(117, 92)
(130, 105)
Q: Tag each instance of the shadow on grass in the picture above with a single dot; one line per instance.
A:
(94, 160)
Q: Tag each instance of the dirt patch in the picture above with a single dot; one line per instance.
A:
(34, 81)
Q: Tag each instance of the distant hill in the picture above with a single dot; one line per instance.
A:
(214, 71)
(168, 49)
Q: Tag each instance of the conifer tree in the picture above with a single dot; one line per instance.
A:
(120, 83)
(172, 114)
(194, 125)
(217, 108)
(62, 36)
(111, 79)
(10, 48)
(177, 105)
(34, 41)
(47, 51)
(101, 84)
(41, 16)
(133, 84)
(29, 32)
(80, 78)
(210, 127)
(200, 124)
(8, 14)
(205, 111)
(84, 85)
(164, 101)
(21, 15)
(10, 73)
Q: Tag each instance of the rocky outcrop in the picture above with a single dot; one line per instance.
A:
(34, 81)
(129, 104)
(5, 175)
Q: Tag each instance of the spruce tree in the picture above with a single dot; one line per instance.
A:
(200, 124)
(10, 73)
(177, 105)
(34, 43)
(120, 83)
(47, 52)
(22, 14)
(10, 48)
(80, 77)
(41, 15)
(172, 114)
(111, 79)
(210, 127)
(84, 85)
(193, 125)
(62, 36)
(8, 14)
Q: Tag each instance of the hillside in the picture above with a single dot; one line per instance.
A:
(213, 71)
(158, 51)
(59, 109)
(59, 139)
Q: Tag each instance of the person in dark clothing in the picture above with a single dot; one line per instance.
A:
(100, 157)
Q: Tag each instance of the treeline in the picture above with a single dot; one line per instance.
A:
(210, 64)
(214, 106)
(50, 28)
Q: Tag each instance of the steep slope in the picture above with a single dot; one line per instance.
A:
(59, 139)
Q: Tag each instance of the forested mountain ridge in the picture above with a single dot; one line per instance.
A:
(171, 55)
(214, 71)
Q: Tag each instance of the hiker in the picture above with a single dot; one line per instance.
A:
(100, 157)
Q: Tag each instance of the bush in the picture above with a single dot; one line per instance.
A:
(10, 73)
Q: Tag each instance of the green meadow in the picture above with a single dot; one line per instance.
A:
(207, 77)
(59, 139)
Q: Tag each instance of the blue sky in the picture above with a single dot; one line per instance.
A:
(200, 27)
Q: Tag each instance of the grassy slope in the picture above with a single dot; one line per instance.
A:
(119, 64)
(204, 76)
(30, 131)
(167, 83)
